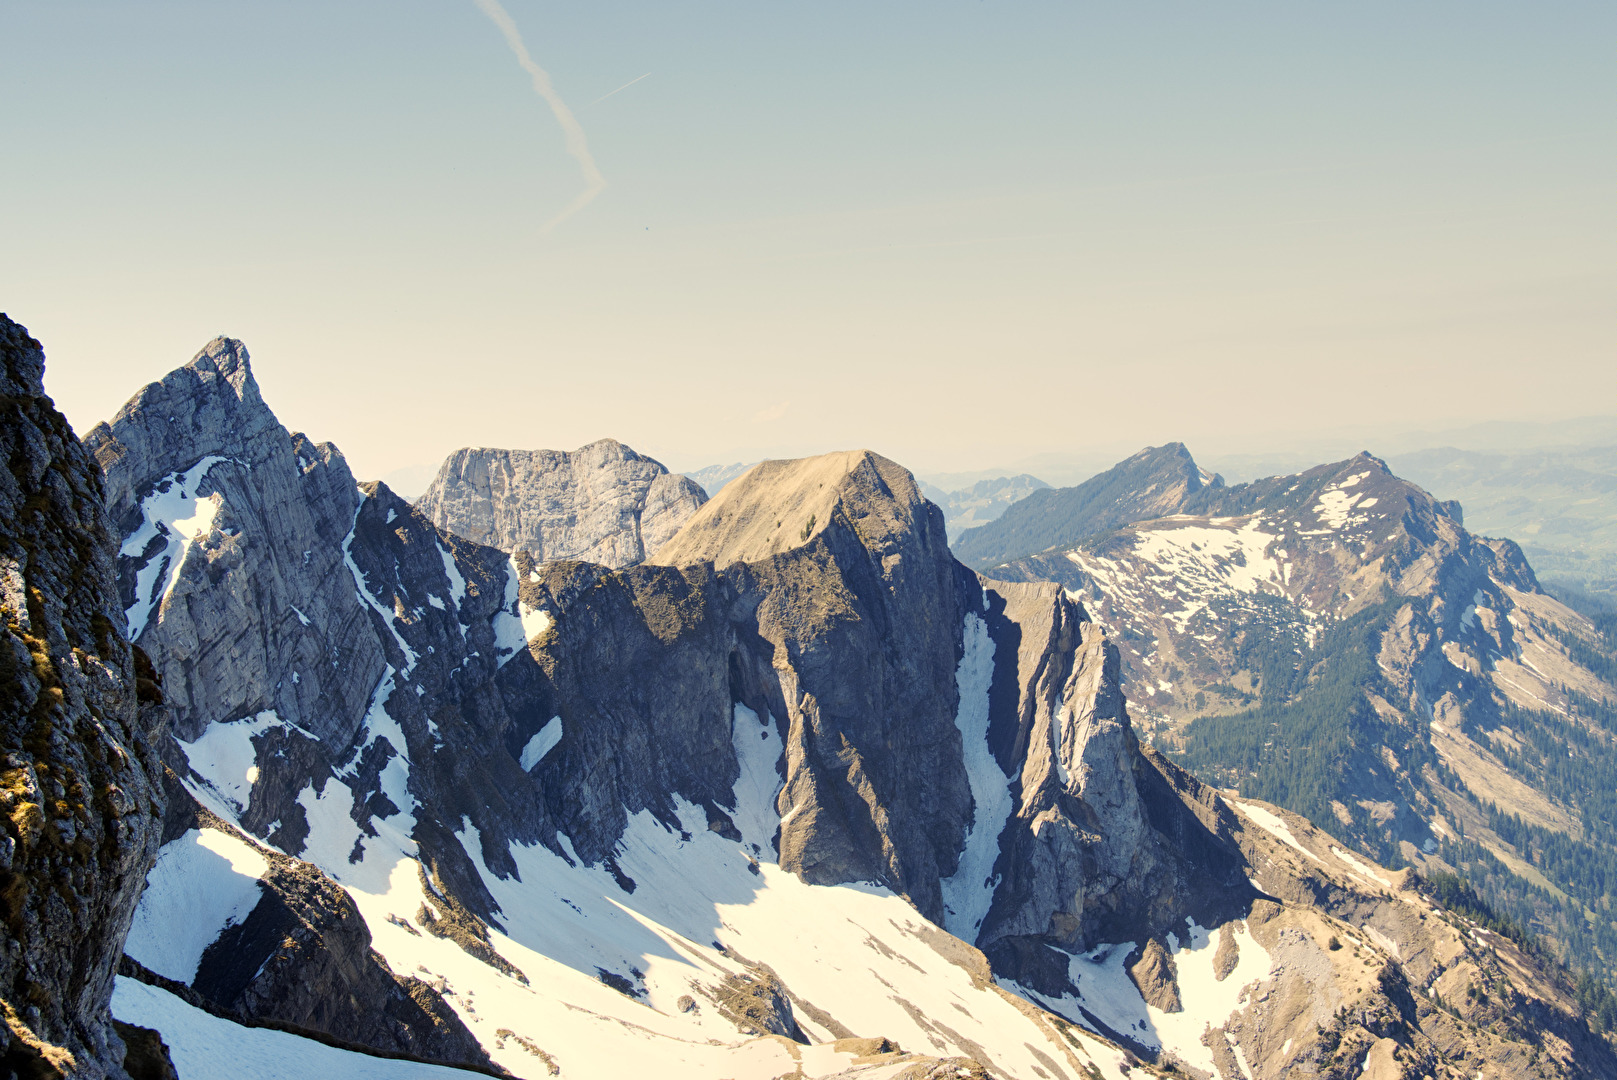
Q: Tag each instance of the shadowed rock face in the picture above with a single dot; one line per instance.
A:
(260, 620)
(81, 811)
(602, 503)
(302, 957)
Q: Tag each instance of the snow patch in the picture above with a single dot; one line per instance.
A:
(1274, 825)
(758, 750)
(175, 511)
(389, 615)
(1334, 505)
(224, 759)
(516, 624)
(203, 882)
(969, 892)
(1106, 991)
(1360, 867)
(543, 742)
(1195, 563)
(457, 583)
(204, 1046)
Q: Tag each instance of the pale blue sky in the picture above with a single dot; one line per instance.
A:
(961, 233)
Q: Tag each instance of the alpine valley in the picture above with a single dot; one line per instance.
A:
(570, 770)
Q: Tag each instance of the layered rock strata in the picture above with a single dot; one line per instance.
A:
(602, 503)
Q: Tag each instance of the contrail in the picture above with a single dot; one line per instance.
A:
(625, 86)
(577, 145)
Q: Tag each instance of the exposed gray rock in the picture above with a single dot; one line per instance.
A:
(302, 957)
(80, 810)
(261, 613)
(602, 503)
(303, 604)
(821, 595)
(851, 634)
(1153, 972)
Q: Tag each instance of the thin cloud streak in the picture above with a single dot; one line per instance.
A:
(577, 144)
(625, 86)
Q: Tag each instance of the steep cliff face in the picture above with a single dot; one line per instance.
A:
(242, 574)
(82, 810)
(602, 503)
(232, 565)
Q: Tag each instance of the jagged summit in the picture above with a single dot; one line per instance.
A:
(778, 505)
(211, 406)
(601, 503)
(1158, 480)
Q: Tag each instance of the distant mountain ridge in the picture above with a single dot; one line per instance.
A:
(1157, 481)
(603, 502)
(983, 501)
(714, 477)
(1337, 642)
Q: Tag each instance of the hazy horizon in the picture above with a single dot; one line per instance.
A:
(964, 235)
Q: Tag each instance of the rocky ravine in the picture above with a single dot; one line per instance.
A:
(798, 788)
(602, 503)
(78, 777)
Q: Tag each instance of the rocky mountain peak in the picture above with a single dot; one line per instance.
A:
(780, 505)
(602, 503)
(209, 407)
(751, 808)
(1155, 482)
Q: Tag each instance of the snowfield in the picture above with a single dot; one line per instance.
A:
(204, 1047)
(621, 976)
(1106, 992)
(204, 882)
(176, 512)
(1188, 565)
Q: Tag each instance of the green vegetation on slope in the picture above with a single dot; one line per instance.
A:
(1313, 737)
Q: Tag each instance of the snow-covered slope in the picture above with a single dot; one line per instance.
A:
(205, 1047)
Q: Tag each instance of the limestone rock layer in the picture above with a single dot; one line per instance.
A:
(602, 503)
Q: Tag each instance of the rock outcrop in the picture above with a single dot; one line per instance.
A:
(78, 711)
(602, 503)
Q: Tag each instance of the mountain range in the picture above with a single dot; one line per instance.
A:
(1337, 642)
(569, 770)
